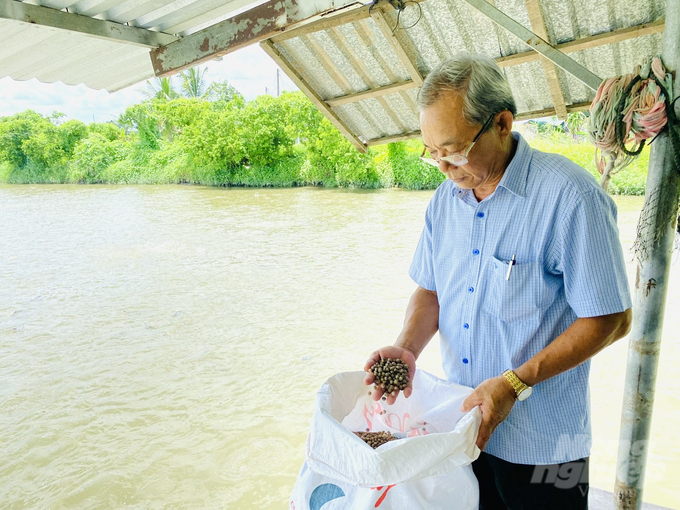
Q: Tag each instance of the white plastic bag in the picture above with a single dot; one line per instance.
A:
(429, 469)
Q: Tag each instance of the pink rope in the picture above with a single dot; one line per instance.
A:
(644, 114)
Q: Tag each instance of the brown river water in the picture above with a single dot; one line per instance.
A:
(161, 346)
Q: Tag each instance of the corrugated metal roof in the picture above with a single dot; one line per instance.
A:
(361, 76)
(357, 56)
(50, 54)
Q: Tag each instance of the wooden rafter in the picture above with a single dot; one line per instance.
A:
(378, 17)
(302, 84)
(549, 69)
(323, 24)
(585, 43)
(578, 107)
(371, 93)
(369, 38)
(337, 77)
(540, 45)
(391, 139)
(362, 70)
(548, 112)
(251, 26)
(100, 29)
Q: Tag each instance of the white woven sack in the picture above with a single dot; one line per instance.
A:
(429, 468)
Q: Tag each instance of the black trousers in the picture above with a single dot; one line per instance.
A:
(507, 486)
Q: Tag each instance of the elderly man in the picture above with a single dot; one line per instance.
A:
(520, 268)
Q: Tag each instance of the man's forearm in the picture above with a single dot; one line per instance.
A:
(421, 321)
(579, 342)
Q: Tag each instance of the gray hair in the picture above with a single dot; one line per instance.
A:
(481, 82)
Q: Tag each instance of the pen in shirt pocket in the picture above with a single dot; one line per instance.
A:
(510, 264)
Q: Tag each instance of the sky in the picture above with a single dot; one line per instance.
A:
(250, 70)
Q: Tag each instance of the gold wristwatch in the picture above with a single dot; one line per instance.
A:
(522, 391)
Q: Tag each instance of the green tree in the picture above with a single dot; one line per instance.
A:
(141, 118)
(215, 140)
(71, 132)
(160, 88)
(193, 82)
(335, 162)
(108, 130)
(179, 113)
(92, 156)
(14, 131)
(223, 91)
(264, 130)
(301, 118)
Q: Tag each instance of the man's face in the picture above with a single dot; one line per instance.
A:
(446, 132)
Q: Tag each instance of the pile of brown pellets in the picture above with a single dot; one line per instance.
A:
(375, 439)
(390, 374)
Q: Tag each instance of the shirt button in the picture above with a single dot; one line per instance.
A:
(466, 326)
(475, 252)
(471, 289)
(480, 214)
(465, 360)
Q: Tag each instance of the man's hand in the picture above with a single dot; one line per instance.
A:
(495, 398)
(393, 352)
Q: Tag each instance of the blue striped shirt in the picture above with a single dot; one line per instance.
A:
(561, 227)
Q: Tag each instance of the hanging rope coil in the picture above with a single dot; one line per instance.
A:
(630, 109)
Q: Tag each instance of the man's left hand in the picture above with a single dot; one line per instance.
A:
(495, 398)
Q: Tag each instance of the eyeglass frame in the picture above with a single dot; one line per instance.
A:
(458, 159)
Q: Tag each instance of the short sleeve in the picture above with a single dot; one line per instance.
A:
(591, 257)
(422, 268)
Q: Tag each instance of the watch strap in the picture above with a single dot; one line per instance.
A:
(517, 384)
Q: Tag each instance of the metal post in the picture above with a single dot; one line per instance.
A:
(656, 234)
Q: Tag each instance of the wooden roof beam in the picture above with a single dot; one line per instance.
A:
(537, 43)
(251, 26)
(537, 114)
(380, 20)
(100, 29)
(330, 21)
(538, 26)
(302, 84)
(371, 93)
(391, 139)
(548, 112)
(584, 43)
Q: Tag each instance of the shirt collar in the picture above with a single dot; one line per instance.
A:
(515, 177)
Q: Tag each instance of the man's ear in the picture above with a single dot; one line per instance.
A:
(504, 122)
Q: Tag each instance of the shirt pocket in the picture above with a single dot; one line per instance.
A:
(517, 298)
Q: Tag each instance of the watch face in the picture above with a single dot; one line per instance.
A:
(525, 394)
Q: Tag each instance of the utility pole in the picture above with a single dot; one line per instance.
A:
(278, 83)
(656, 234)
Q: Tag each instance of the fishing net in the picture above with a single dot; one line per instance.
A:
(627, 111)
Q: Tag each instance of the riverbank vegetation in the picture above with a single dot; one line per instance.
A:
(210, 135)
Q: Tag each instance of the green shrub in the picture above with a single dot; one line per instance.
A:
(629, 181)
(285, 172)
(409, 171)
(5, 171)
(17, 129)
(33, 173)
(92, 156)
(335, 162)
(170, 165)
(220, 140)
(108, 130)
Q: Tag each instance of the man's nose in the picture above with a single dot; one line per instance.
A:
(444, 165)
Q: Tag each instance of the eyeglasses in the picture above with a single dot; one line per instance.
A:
(457, 159)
